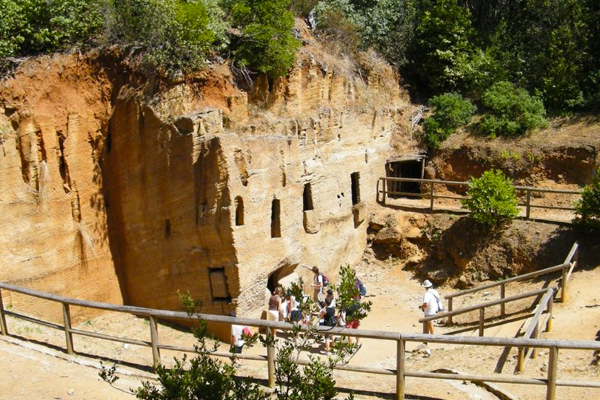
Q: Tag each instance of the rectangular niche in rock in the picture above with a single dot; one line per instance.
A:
(355, 178)
(275, 219)
(307, 198)
(218, 285)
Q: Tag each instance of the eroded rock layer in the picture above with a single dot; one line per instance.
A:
(118, 189)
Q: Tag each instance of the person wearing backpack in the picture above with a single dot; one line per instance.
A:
(326, 318)
(320, 281)
(360, 287)
(431, 304)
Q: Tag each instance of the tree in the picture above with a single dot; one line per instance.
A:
(176, 35)
(511, 111)
(265, 42)
(491, 199)
(442, 47)
(450, 111)
(39, 26)
(543, 43)
(587, 208)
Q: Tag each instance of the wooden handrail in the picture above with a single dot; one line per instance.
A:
(567, 263)
(431, 193)
(401, 338)
(529, 275)
(483, 305)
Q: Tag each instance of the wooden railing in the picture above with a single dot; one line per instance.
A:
(428, 191)
(544, 309)
(551, 381)
(566, 267)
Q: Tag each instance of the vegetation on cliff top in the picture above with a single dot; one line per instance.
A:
(174, 35)
(513, 59)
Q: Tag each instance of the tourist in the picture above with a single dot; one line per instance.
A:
(293, 308)
(326, 319)
(318, 284)
(351, 318)
(430, 304)
(275, 306)
(237, 340)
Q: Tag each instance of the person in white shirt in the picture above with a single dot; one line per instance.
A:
(430, 304)
(237, 340)
(318, 285)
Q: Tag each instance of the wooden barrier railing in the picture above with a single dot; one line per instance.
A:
(383, 184)
(551, 381)
(533, 331)
(566, 267)
(545, 308)
(481, 307)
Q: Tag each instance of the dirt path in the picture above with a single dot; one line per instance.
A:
(34, 370)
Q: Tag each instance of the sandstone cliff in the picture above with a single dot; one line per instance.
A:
(116, 188)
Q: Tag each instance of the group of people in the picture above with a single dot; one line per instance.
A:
(287, 308)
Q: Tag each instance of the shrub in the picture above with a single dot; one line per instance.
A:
(511, 111)
(450, 112)
(265, 42)
(204, 377)
(175, 34)
(348, 293)
(587, 208)
(491, 199)
(36, 26)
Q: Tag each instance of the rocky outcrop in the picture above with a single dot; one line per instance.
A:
(54, 233)
(147, 188)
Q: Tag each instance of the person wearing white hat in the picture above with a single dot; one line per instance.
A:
(430, 304)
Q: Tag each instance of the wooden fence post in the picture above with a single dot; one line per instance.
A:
(563, 292)
(552, 373)
(67, 322)
(450, 310)
(481, 319)
(384, 190)
(521, 359)
(535, 335)
(431, 193)
(271, 361)
(528, 205)
(154, 340)
(502, 296)
(400, 369)
(549, 321)
(3, 329)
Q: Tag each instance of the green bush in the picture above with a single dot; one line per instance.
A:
(265, 42)
(175, 34)
(204, 377)
(37, 26)
(491, 199)
(450, 111)
(511, 111)
(587, 208)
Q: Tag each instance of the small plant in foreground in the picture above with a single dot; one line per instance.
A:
(108, 375)
(491, 199)
(204, 377)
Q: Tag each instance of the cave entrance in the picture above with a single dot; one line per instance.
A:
(408, 166)
(282, 276)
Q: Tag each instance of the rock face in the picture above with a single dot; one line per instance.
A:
(148, 189)
(54, 229)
